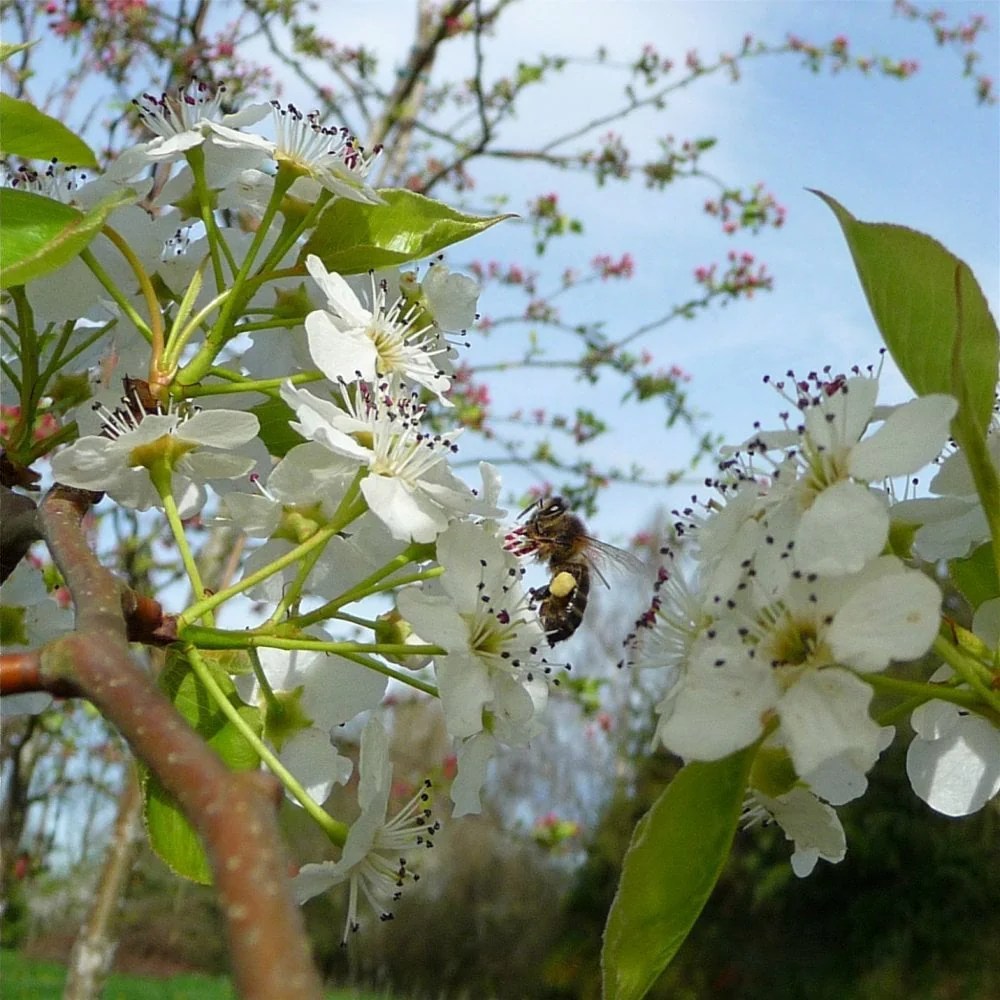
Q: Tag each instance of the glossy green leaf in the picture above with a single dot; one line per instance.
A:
(976, 576)
(275, 416)
(677, 853)
(930, 311)
(170, 834)
(40, 234)
(351, 238)
(32, 134)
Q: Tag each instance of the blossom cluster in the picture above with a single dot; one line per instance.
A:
(221, 317)
(799, 595)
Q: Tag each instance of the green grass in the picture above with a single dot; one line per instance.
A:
(26, 979)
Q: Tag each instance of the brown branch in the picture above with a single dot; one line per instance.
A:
(430, 36)
(21, 673)
(233, 813)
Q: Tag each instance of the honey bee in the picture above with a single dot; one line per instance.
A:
(557, 537)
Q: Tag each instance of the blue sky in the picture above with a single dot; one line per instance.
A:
(919, 153)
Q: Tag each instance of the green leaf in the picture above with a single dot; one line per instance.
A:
(921, 295)
(351, 238)
(677, 853)
(170, 834)
(275, 417)
(41, 235)
(976, 576)
(32, 134)
(9, 49)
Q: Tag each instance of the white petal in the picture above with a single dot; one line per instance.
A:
(435, 618)
(465, 688)
(451, 298)
(309, 471)
(839, 781)
(219, 428)
(715, 710)
(339, 293)
(825, 714)
(314, 879)
(954, 538)
(911, 438)
(846, 526)
(894, 617)
(406, 514)
(203, 465)
(474, 756)
(315, 420)
(374, 769)
(850, 410)
(812, 825)
(960, 773)
(955, 477)
(339, 353)
(986, 621)
(935, 719)
(253, 513)
(311, 757)
(230, 138)
(336, 690)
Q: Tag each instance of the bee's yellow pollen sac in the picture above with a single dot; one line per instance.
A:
(562, 584)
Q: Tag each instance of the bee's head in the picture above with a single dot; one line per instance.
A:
(544, 507)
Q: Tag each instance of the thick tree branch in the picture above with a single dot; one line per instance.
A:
(233, 813)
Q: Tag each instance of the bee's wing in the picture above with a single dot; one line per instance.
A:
(605, 558)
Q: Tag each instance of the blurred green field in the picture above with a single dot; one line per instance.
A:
(27, 979)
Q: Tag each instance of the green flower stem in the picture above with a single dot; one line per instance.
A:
(351, 506)
(153, 330)
(292, 594)
(61, 357)
(214, 638)
(203, 607)
(919, 691)
(258, 671)
(272, 323)
(343, 517)
(162, 478)
(217, 246)
(239, 383)
(334, 829)
(223, 329)
(363, 660)
(970, 670)
(180, 337)
(900, 713)
(368, 623)
(373, 584)
(291, 233)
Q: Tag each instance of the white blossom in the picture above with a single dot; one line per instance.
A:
(349, 339)
(409, 485)
(373, 861)
(199, 445)
(493, 639)
(310, 694)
